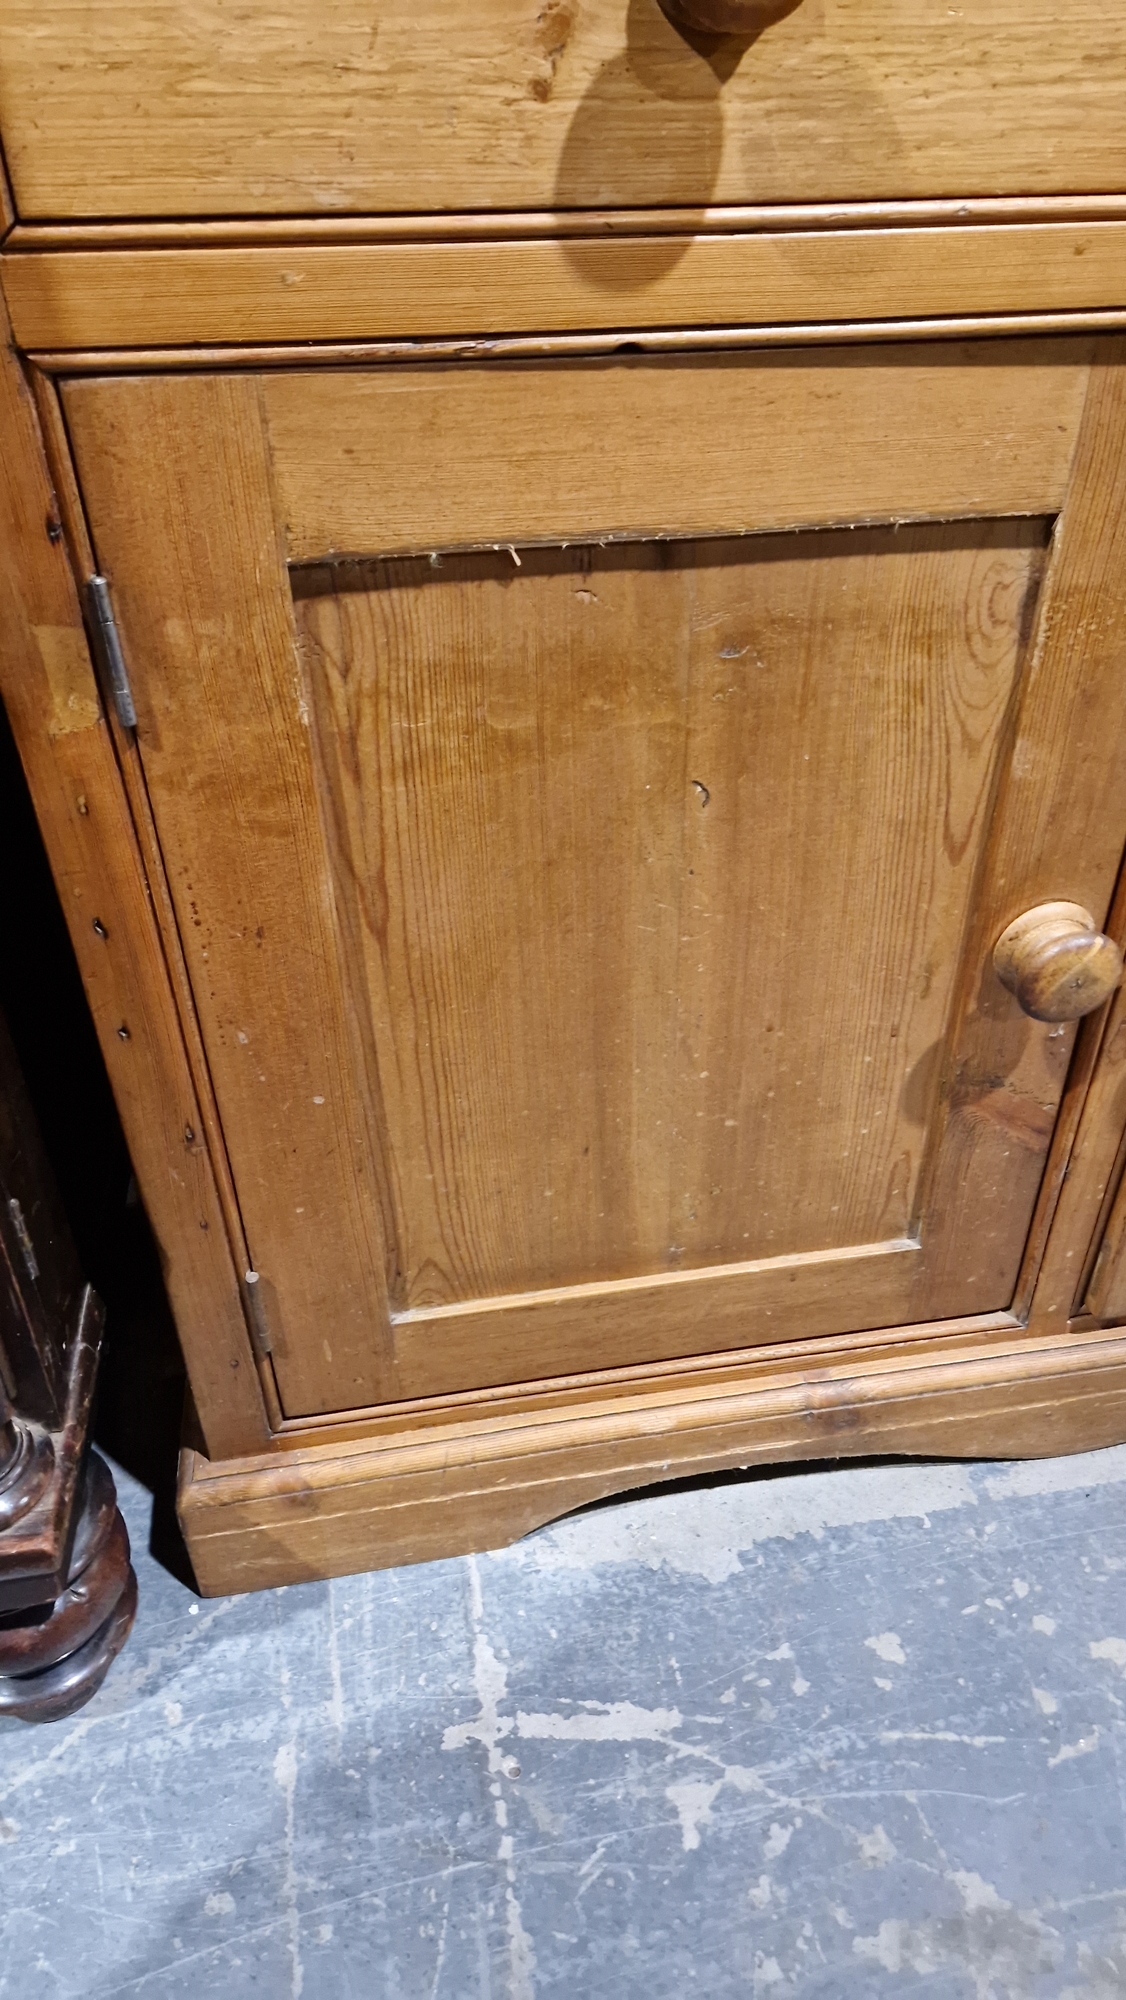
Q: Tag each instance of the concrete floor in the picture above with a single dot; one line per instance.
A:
(834, 1734)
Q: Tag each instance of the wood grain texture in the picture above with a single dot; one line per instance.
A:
(673, 1380)
(622, 807)
(569, 346)
(145, 298)
(49, 689)
(1084, 1164)
(1098, 1277)
(205, 613)
(331, 1509)
(76, 532)
(409, 459)
(1106, 1294)
(475, 777)
(500, 225)
(155, 107)
(1059, 826)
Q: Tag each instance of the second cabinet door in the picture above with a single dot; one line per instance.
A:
(590, 796)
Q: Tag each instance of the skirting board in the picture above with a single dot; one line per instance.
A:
(458, 1486)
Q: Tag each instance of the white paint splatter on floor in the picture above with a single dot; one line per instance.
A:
(643, 1754)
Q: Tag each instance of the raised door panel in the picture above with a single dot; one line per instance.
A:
(163, 108)
(591, 938)
(659, 858)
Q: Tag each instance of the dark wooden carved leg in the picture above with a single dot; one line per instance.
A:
(26, 1464)
(55, 1655)
(67, 1590)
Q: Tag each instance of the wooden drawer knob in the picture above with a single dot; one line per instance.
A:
(1056, 961)
(726, 17)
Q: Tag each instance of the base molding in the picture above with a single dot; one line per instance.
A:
(467, 1481)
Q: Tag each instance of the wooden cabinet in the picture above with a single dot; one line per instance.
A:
(590, 931)
(544, 901)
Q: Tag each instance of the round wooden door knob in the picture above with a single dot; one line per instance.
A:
(1057, 962)
(726, 17)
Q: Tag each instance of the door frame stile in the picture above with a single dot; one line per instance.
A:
(1084, 1166)
(240, 1417)
(83, 555)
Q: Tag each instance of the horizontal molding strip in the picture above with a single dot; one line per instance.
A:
(534, 347)
(225, 232)
(610, 1290)
(1006, 1351)
(347, 293)
(806, 1359)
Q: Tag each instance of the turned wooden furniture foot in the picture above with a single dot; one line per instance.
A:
(55, 1655)
(68, 1594)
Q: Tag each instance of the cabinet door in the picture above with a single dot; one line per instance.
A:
(590, 796)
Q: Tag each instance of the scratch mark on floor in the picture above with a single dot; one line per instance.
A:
(336, 1699)
(285, 1776)
(490, 1678)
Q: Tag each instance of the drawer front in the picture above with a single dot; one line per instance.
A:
(589, 890)
(150, 108)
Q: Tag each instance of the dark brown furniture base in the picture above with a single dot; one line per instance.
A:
(68, 1593)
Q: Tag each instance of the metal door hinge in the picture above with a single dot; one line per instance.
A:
(259, 1324)
(108, 647)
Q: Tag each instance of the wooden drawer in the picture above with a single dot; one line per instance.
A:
(162, 108)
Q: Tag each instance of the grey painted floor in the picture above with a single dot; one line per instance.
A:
(859, 1732)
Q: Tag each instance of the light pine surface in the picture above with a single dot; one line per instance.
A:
(49, 689)
(326, 291)
(140, 108)
(207, 622)
(632, 1021)
(527, 224)
(1106, 1294)
(406, 459)
(446, 1488)
(429, 830)
(545, 919)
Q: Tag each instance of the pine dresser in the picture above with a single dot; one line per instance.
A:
(566, 624)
